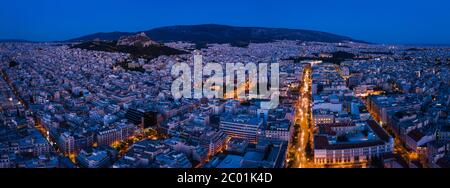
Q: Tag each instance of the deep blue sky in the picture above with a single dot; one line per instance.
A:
(379, 21)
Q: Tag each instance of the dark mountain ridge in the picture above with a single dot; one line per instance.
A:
(139, 46)
(213, 33)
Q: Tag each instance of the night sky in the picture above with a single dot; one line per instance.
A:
(378, 21)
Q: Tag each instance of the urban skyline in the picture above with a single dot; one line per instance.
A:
(219, 96)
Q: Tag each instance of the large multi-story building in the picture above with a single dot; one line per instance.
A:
(214, 141)
(118, 133)
(279, 130)
(351, 143)
(142, 117)
(242, 126)
(323, 117)
(66, 143)
(93, 159)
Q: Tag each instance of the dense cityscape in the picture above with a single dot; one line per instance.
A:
(342, 105)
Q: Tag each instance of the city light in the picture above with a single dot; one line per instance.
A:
(139, 101)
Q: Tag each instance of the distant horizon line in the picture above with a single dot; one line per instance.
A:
(66, 41)
(3, 40)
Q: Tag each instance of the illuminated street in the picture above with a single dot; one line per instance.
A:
(166, 89)
(303, 120)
